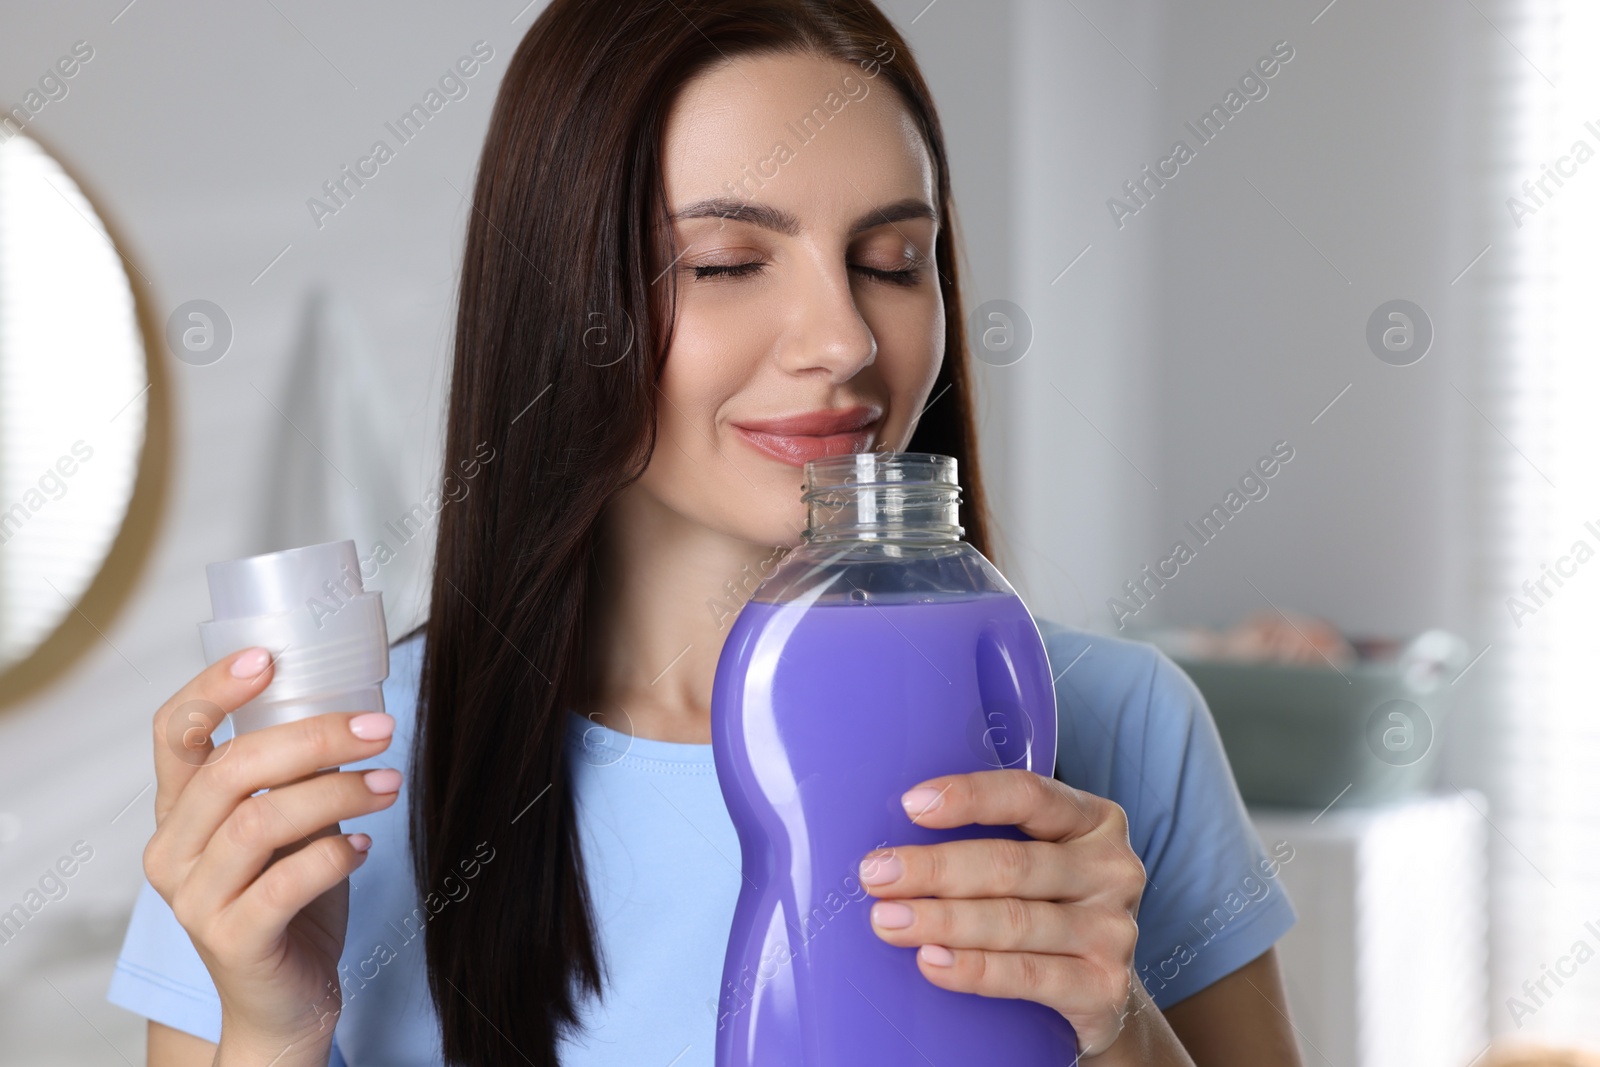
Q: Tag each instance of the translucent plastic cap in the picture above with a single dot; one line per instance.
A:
(280, 581)
(307, 606)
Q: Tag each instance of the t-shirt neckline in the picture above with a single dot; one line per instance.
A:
(594, 740)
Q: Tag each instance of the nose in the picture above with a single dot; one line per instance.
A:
(825, 333)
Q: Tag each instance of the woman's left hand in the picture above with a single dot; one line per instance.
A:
(1050, 920)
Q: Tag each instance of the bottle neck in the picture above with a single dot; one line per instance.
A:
(906, 497)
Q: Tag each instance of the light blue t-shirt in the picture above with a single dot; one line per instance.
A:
(663, 867)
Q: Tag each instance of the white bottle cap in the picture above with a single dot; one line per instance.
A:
(306, 606)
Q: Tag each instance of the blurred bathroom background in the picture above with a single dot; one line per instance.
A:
(1310, 403)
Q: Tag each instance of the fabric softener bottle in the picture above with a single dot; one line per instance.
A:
(883, 651)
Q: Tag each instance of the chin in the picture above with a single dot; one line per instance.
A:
(760, 521)
(787, 530)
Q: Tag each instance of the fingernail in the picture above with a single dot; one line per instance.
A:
(250, 663)
(938, 955)
(892, 915)
(921, 800)
(383, 780)
(877, 870)
(360, 842)
(373, 726)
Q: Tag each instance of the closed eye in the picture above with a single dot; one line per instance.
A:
(909, 276)
(721, 270)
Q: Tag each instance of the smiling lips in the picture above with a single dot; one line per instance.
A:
(797, 438)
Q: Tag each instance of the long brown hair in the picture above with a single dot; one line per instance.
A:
(566, 215)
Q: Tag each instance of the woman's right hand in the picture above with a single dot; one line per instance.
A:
(259, 880)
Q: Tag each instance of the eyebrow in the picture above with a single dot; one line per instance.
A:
(784, 222)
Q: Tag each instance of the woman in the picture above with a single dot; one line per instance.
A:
(691, 222)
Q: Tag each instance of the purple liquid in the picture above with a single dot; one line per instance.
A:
(821, 717)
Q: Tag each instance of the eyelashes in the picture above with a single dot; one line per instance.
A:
(910, 276)
(737, 270)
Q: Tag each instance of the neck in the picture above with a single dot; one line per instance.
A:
(668, 591)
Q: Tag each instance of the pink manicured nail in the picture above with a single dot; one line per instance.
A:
(892, 915)
(921, 800)
(373, 726)
(878, 870)
(383, 780)
(249, 663)
(938, 955)
(360, 842)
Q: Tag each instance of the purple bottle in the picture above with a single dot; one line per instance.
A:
(883, 651)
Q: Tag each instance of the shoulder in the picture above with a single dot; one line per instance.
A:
(1104, 663)
(400, 688)
(1135, 729)
(1117, 700)
(400, 701)
(405, 658)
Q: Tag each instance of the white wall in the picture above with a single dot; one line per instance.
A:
(1084, 418)
(1205, 328)
(1360, 147)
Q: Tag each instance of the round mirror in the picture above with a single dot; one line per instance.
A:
(76, 418)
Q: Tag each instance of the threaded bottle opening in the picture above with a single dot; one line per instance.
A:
(882, 496)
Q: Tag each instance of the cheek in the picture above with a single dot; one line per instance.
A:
(694, 385)
(911, 347)
(714, 355)
(700, 469)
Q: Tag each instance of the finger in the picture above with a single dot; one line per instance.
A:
(1092, 997)
(1043, 808)
(183, 725)
(262, 759)
(252, 923)
(290, 815)
(983, 867)
(1008, 924)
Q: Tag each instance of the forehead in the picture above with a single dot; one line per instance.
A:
(809, 133)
